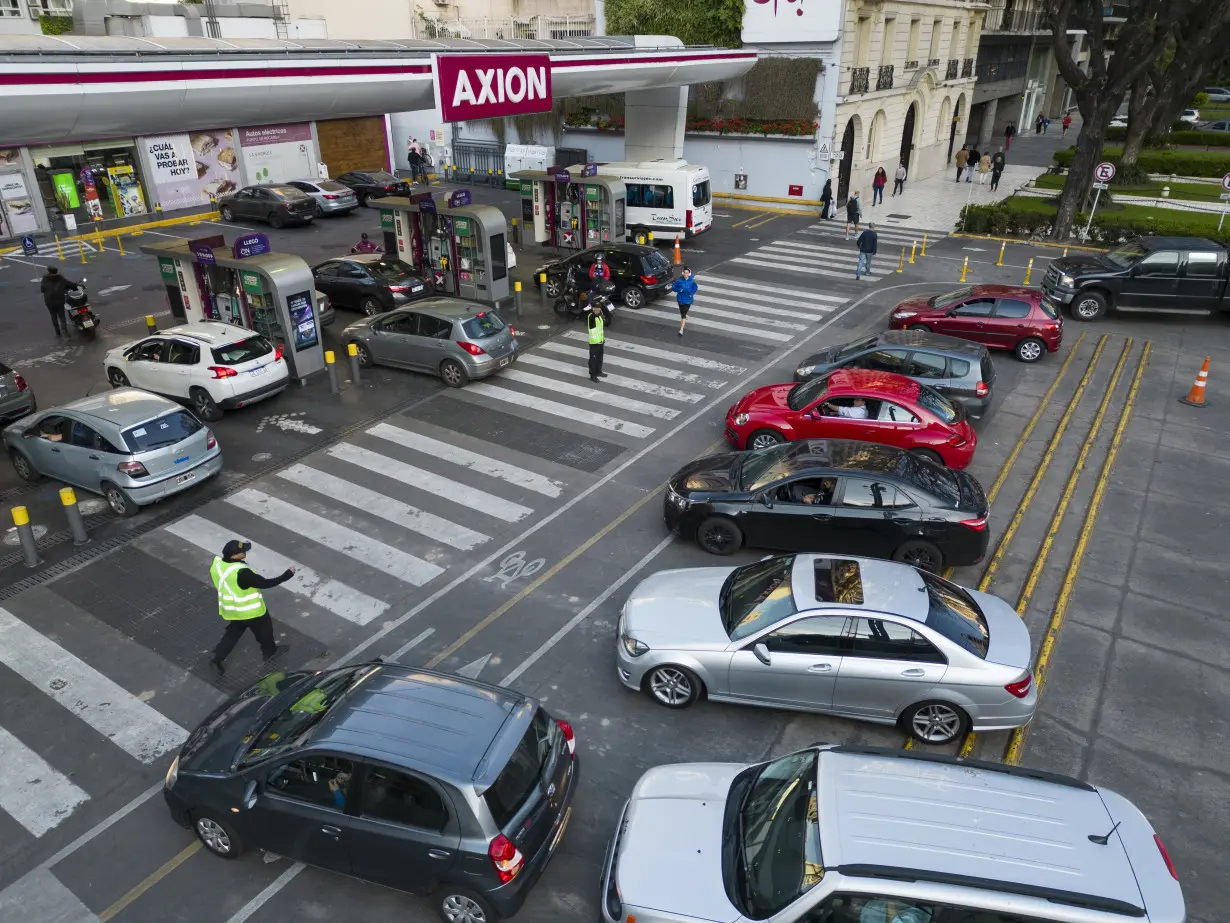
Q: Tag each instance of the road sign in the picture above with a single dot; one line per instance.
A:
(28, 246)
(1104, 172)
(1100, 186)
(824, 150)
(1225, 182)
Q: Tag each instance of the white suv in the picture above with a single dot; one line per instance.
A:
(212, 365)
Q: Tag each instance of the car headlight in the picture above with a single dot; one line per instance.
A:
(1066, 279)
(804, 370)
(172, 773)
(741, 419)
(633, 647)
(902, 315)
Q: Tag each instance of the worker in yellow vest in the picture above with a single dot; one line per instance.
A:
(241, 604)
(597, 336)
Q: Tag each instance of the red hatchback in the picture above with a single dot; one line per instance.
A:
(998, 316)
(855, 404)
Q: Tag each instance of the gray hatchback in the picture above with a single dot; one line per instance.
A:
(16, 396)
(455, 339)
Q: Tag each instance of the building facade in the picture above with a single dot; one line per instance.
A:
(1016, 73)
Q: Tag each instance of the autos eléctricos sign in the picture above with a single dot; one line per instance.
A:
(484, 86)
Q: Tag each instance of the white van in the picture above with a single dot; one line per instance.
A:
(667, 197)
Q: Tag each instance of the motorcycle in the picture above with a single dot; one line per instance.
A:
(575, 301)
(77, 302)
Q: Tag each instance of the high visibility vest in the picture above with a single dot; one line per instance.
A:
(595, 330)
(235, 604)
(312, 703)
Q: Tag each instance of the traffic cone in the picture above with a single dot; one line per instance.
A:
(1195, 397)
(678, 252)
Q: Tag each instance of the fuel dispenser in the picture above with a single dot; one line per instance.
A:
(570, 211)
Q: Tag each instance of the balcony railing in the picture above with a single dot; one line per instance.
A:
(1019, 16)
(954, 65)
(884, 79)
(967, 67)
(911, 65)
(933, 62)
(858, 80)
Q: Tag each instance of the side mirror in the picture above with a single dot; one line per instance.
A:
(249, 796)
(762, 653)
(1135, 270)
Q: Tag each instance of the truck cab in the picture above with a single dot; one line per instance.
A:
(1177, 275)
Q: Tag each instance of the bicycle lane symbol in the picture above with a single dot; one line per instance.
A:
(515, 567)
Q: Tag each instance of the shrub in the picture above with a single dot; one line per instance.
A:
(1025, 216)
(1180, 163)
(1186, 135)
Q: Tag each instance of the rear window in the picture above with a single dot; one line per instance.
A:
(940, 406)
(1048, 309)
(937, 481)
(4, 369)
(287, 192)
(988, 370)
(167, 430)
(382, 177)
(244, 351)
(510, 791)
(701, 195)
(389, 270)
(482, 326)
(654, 263)
(953, 613)
(332, 185)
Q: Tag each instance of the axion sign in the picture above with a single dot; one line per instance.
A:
(484, 86)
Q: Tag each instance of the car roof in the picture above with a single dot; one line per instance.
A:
(837, 455)
(887, 586)
(932, 342)
(865, 380)
(439, 724)
(1006, 291)
(121, 408)
(966, 818)
(212, 333)
(447, 307)
(1180, 243)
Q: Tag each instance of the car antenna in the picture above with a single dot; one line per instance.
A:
(1103, 839)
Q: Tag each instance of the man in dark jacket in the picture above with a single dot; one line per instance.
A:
(974, 157)
(415, 159)
(53, 287)
(867, 243)
(998, 162)
(241, 604)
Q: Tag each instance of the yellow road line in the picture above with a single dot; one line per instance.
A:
(753, 218)
(1016, 746)
(766, 221)
(154, 877)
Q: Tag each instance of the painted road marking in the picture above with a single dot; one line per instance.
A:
(40, 897)
(794, 294)
(384, 507)
(355, 545)
(32, 792)
(655, 352)
(325, 592)
(798, 267)
(706, 323)
(621, 381)
(590, 394)
(764, 321)
(814, 315)
(412, 644)
(130, 724)
(567, 411)
(721, 291)
(795, 247)
(621, 362)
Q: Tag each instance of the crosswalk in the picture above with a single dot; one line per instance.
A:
(825, 252)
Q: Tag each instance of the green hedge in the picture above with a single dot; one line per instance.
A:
(1186, 136)
(1180, 163)
(1025, 215)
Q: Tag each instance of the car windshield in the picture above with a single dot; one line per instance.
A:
(244, 351)
(389, 270)
(166, 430)
(761, 467)
(953, 613)
(757, 595)
(1125, 254)
(936, 480)
(517, 781)
(853, 349)
(951, 298)
(937, 404)
(807, 393)
(771, 835)
(482, 326)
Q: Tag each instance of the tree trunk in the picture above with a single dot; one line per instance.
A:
(1140, 122)
(1096, 112)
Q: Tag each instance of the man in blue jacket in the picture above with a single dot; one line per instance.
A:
(685, 293)
(867, 243)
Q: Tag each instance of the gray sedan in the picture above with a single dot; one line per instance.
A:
(331, 197)
(856, 637)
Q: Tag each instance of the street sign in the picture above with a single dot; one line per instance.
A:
(250, 245)
(458, 198)
(824, 149)
(28, 246)
(1100, 186)
(1225, 182)
(1104, 172)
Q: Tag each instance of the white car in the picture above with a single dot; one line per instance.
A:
(1191, 116)
(1218, 94)
(213, 366)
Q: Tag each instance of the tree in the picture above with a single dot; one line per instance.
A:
(696, 22)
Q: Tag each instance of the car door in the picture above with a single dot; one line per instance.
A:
(180, 360)
(872, 517)
(1201, 283)
(967, 320)
(431, 341)
(45, 448)
(794, 515)
(300, 811)
(328, 277)
(144, 366)
(1154, 284)
(244, 203)
(88, 458)
(891, 424)
(406, 834)
(804, 657)
(395, 338)
(822, 420)
(353, 283)
(888, 666)
(1010, 324)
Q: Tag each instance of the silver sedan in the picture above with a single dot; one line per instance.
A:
(856, 637)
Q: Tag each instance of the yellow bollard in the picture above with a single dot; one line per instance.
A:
(1028, 270)
(81, 249)
(913, 248)
(352, 349)
(59, 249)
(21, 516)
(67, 497)
(651, 238)
(964, 268)
(901, 262)
(1065, 251)
(150, 324)
(119, 243)
(329, 357)
(102, 246)
(1002, 245)
(542, 278)
(924, 249)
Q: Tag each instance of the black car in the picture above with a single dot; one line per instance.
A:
(373, 184)
(640, 273)
(370, 282)
(424, 782)
(277, 203)
(831, 495)
(958, 369)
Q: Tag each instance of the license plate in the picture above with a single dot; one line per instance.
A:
(185, 478)
(417, 288)
(505, 361)
(261, 371)
(87, 323)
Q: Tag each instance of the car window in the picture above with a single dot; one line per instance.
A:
(328, 269)
(325, 781)
(853, 349)
(958, 368)
(952, 612)
(979, 307)
(329, 185)
(867, 494)
(821, 635)
(380, 176)
(149, 351)
(927, 365)
(83, 436)
(1012, 308)
(620, 263)
(1048, 308)
(166, 430)
(809, 491)
(885, 360)
(434, 327)
(402, 799)
(520, 776)
(1163, 263)
(938, 405)
(302, 187)
(881, 639)
(805, 394)
(181, 353)
(755, 596)
(406, 324)
(894, 413)
(253, 347)
(700, 194)
(949, 299)
(487, 324)
(1203, 264)
(867, 908)
(389, 269)
(936, 480)
(351, 271)
(654, 263)
(54, 428)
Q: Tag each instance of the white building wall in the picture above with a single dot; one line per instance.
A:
(246, 27)
(166, 26)
(393, 19)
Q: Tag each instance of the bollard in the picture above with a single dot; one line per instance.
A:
(102, 244)
(924, 247)
(330, 364)
(151, 324)
(542, 287)
(517, 297)
(651, 238)
(21, 519)
(352, 350)
(75, 523)
(1028, 270)
(964, 268)
(1002, 245)
(901, 262)
(119, 243)
(913, 249)
(81, 249)
(59, 249)
(1065, 251)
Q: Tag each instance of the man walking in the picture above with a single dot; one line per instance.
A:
(241, 604)
(962, 160)
(1067, 123)
(867, 243)
(854, 214)
(685, 293)
(899, 179)
(596, 338)
(415, 160)
(54, 286)
(1009, 134)
(974, 157)
(998, 162)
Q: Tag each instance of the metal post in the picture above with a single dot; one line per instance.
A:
(913, 250)
(151, 324)
(517, 297)
(330, 364)
(21, 519)
(901, 262)
(352, 350)
(1223, 213)
(924, 246)
(59, 249)
(119, 243)
(1002, 245)
(75, 524)
(1097, 194)
(1028, 271)
(964, 268)
(542, 288)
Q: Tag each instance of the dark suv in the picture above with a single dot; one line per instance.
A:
(640, 273)
(424, 782)
(373, 184)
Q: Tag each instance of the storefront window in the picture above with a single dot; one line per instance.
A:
(90, 183)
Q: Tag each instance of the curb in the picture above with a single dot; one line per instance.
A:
(1031, 243)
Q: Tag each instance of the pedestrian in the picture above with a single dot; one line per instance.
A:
(1009, 134)
(984, 168)
(974, 157)
(998, 162)
(854, 213)
(1046, 123)
(53, 286)
(826, 199)
(425, 166)
(962, 160)
(685, 293)
(877, 186)
(416, 164)
(867, 244)
(241, 604)
(1067, 123)
(597, 337)
(1038, 124)
(899, 179)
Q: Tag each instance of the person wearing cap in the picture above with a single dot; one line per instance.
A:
(240, 602)
(596, 323)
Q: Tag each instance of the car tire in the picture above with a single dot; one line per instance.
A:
(320, 212)
(934, 722)
(370, 306)
(204, 406)
(561, 307)
(764, 439)
(276, 221)
(461, 905)
(718, 535)
(116, 378)
(634, 297)
(453, 373)
(1088, 306)
(554, 288)
(919, 327)
(117, 498)
(227, 214)
(920, 554)
(218, 837)
(364, 354)
(672, 686)
(24, 469)
(362, 197)
(1030, 350)
(930, 455)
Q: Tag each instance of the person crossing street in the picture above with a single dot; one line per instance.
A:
(597, 337)
(868, 241)
(241, 604)
(685, 293)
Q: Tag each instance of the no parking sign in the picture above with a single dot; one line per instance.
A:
(1104, 172)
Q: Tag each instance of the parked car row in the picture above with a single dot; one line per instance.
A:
(299, 201)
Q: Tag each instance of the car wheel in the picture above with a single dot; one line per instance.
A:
(634, 297)
(121, 504)
(718, 535)
(1089, 306)
(453, 374)
(764, 439)
(320, 212)
(22, 466)
(369, 306)
(920, 554)
(227, 214)
(204, 405)
(561, 307)
(117, 378)
(935, 722)
(276, 221)
(929, 454)
(461, 905)
(918, 327)
(218, 837)
(554, 288)
(672, 686)
(362, 200)
(1030, 350)
(364, 354)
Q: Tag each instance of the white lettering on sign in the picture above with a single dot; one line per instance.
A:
(496, 85)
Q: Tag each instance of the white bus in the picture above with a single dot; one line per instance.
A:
(667, 197)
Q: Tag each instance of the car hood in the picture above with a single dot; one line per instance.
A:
(710, 475)
(1010, 644)
(769, 399)
(678, 608)
(674, 821)
(918, 305)
(1083, 263)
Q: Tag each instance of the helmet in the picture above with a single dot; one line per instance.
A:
(598, 258)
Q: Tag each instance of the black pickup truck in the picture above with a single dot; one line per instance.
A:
(1178, 275)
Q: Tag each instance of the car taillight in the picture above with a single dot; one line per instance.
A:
(211, 441)
(471, 348)
(331, 195)
(649, 280)
(981, 389)
(506, 858)
(132, 469)
(688, 213)
(279, 349)
(1165, 857)
(399, 288)
(1021, 687)
(569, 736)
(956, 440)
(20, 382)
(390, 188)
(222, 371)
(976, 524)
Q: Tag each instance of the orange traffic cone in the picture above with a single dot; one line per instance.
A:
(1195, 397)
(678, 252)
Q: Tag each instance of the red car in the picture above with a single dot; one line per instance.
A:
(998, 316)
(899, 412)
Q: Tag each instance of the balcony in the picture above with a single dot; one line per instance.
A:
(911, 65)
(884, 79)
(933, 62)
(954, 65)
(1015, 16)
(967, 67)
(995, 71)
(858, 80)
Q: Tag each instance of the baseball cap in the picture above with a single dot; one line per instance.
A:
(235, 546)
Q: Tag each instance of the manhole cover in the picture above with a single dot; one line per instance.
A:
(262, 456)
(13, 540)
(91, 506)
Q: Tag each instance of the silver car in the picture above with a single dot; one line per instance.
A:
(133, 447)
(331, 197)
(454, 339)
(16, 396)
(856, 637)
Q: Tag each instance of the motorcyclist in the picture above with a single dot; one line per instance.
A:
(366, 245)
(599, 270)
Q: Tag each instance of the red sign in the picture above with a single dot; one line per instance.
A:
(484, 86)
(796, 190)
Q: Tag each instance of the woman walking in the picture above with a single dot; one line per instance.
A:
(685, 293)
(826, 199)
(984, 168)
(854, 213)
(877, 186)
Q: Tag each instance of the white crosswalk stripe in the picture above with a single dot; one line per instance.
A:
(795, 295)
(32, 792)
(647, 368)
(590, 394)
(556, 409)
(670, 355)
(886, 234)
(705, 323)
(765, 263)
(734, 315)
(705, 299)
(621, 381)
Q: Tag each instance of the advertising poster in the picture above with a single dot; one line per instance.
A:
(216, 164)
(300, 307)
(126, 191)
(10, 157)
(93, 207)
(65, 190)
(17, 215)
(277, 153)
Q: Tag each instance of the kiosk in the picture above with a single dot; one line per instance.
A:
(461, 246)
(571, 210)
(272, 294)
